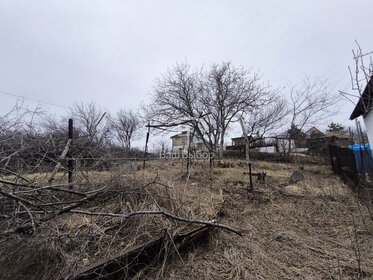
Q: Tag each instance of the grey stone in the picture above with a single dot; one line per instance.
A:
(295, 176)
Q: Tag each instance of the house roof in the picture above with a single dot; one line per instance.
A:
(181, 134)
(365, 102)
(313, 130)
(241, 138)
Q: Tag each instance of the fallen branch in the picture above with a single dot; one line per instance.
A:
(15, 184)
(15, 174)
(6, 182)
(18, 199)
(55, 188)
(49, 216)
(160, 212)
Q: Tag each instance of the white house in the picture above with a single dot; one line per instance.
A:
(180, 142)
(364, 108)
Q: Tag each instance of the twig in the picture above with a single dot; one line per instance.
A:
(29, 213)
(50, 216)
(18, 199)
(15, 174)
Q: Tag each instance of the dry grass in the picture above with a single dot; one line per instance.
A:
(304, 230)
(294, 231)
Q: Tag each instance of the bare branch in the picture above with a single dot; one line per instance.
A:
(159, 212)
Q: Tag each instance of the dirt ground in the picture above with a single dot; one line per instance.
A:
(312, 229)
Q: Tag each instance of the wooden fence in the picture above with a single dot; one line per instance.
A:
(354, 167)
(344, 164)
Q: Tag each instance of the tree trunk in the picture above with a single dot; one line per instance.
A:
(247, 142)
(247, 147)
(221, 147)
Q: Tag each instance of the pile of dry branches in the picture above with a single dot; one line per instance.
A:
(97, 215)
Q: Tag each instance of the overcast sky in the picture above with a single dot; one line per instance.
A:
(110, 52)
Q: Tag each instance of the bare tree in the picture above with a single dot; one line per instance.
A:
(311, 101)
(19, 117)
(262, 120)
(126, 126)
(266, 119)
(211, 99)
(21, 141)
(90, 119)
(361, 77)
(229, 91)
(177, 100)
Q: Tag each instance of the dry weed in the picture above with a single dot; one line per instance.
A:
(293, 231)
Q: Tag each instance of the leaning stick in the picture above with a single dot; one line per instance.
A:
(58, 165)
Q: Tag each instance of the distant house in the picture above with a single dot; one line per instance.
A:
(238, 143)
(364, 108)
(314, 132)
(272, 145)
(180, 142)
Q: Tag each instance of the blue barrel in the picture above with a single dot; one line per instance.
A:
(365, 165)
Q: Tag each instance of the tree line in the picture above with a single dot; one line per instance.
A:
(215, 98)
(32, 139)
(207, 100)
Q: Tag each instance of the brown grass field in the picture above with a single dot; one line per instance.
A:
(314, 229)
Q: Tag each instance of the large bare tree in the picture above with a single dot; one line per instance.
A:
(177, 98)
(212, 99)
(229, 91)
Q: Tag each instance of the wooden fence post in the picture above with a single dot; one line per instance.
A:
(70, 163)
(251, 178)
(146, 145)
